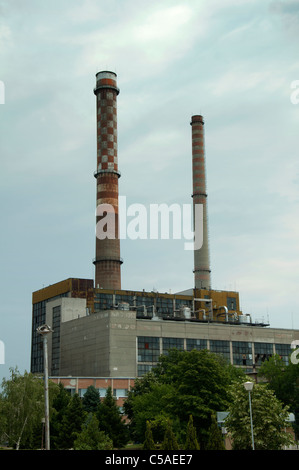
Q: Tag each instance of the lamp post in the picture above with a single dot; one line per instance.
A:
(249, 386)
(44, 330)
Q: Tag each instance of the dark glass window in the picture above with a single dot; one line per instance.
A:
(242, 353)
(148, 349)
(284, 351)
(232, 303)
(262, 352)
(220, 347)
(171, 343)
(196, 344)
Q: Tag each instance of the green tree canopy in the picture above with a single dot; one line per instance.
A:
(60, 404)
(91, 399)
(72, 421)
(111, 421)
(269, 419)
(283, 379)
(183, 384)
(215, 441)
(170, 441)
(191, 438)
(149, 443)
(22, 406)
(91, 438)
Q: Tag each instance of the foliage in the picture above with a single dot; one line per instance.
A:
(170, 440)
(72, 421)
(269, 419)
(141, 386)
(22, 407)
(91, 438)
(183, 384)
(111, 421)
(149, 443)
(91, 400)
(284, 381)
(215, 441)
(152, 406)
(60, 404)
(191, 438)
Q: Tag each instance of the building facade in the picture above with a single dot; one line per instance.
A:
(104, 333)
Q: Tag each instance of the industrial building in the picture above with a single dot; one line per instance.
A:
(105, 336)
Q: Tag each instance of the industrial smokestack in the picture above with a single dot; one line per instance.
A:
(107, 260)
(202, 272)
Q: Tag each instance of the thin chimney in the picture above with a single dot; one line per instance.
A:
(107, 257)
(202, 272)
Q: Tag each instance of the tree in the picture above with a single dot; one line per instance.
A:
(215, 441)
(182, 384)
(170, 440)
(91, 399)
(191, 439)
(72, 421)
(111, 422)
(91, 438)
(283, 379)
(269, 419)
(200, 381)
(60, 404)
(155, 406)
(22, 406)
(149, 443)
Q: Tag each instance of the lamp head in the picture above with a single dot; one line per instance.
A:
(248, 386)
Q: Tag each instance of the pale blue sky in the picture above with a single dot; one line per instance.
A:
(232, 61)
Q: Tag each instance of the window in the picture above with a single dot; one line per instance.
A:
(103, 301)
(171, 343)
(262, 352)
(242, 353)
(143, 369)
(148, 349)
(120, 392)
(196, 344)
(283, 350)
(232, 303)
(56, 340)
(220, 347)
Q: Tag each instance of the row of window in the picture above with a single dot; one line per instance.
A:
(38, 319)
(117, 392)
(239, 353)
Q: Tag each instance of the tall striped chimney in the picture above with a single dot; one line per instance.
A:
(107, 256)
(202, 272)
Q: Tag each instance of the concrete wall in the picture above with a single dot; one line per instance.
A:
(102, 344)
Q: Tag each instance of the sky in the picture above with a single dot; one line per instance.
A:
(233, 61)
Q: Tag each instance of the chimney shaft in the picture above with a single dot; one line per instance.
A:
(202, 272)
(107, 260)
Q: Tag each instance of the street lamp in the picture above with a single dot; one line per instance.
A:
(44, 330)
(249, 386)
